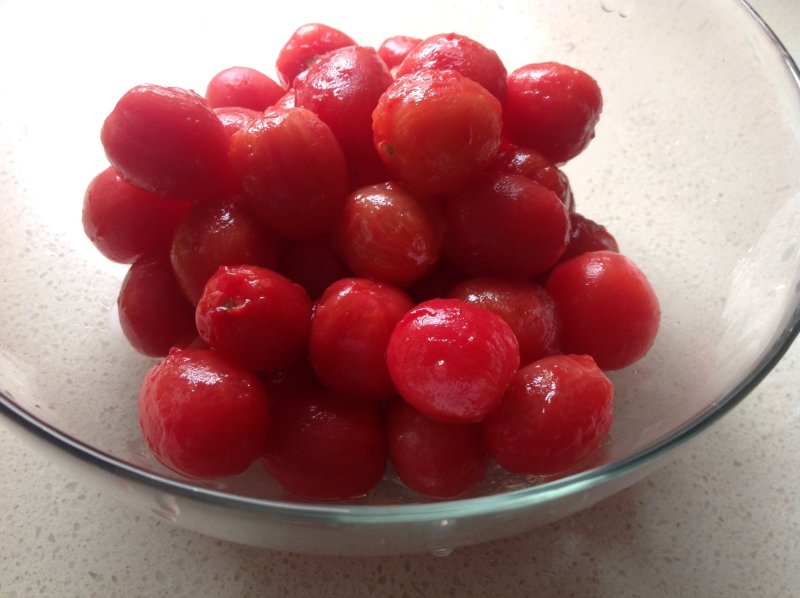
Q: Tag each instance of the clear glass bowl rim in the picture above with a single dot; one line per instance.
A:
(468, 507)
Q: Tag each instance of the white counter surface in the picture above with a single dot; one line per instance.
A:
(723, 519)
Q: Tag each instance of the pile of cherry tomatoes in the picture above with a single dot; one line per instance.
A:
(375, 259)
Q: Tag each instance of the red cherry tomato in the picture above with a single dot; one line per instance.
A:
(552, 108)
(305, 45)
(433, 458)
(607, 307)
(452, 360)
(349, 334)
(325, 447)
(393, 49)
(557, 412)
(219, 233)
(153, 313)
(254, 316)
(293, 172)
(532, 164)
(125, 222)
(436, 130)
(524, 305)
(506, 225)
(203, 415)
(244, 87)
(342, 88)
(459, 53)
(385, 234)
(168, 141)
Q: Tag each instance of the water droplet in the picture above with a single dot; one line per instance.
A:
(442, 552)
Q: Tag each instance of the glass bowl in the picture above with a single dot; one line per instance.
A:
(694, 169)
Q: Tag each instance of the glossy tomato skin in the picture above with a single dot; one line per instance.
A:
(168, 141)
(452, 360)
(385, 233)
(524, 305)
(306, 44)
(433, 458)
(124, 222)
(244, 87)
(553, 108)
(529, 163)
(286, 101)
(459, 53)
(234, 118)
(349, 334)
(219, 233)
(255, 316)
(325, 447)
(343, 87)
(607, 306)
(436, 130)
(203, 415)
(292, 171)
(396, 47)
(506, 226)
(557, 411)
(153, 312)
(314, 265)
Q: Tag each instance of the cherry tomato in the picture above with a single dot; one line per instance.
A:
(452, 360)
(244, 87)
(342, 88)
(153, 313)
(607, 306)
(219, 233)
(293, 172)
(436, 130)
(506, 225)
(524, 305)
(433, 458)
(124, 222)
(254, 316)
(460, 53)
(393, 49)
(385, 234)
(203, 415)
(305, 45)
(325, 447)
(349, 334)
(552, 108)
(168, 141)
(557, 412)
(532, 164)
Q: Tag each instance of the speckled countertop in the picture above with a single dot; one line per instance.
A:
(723, 519)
